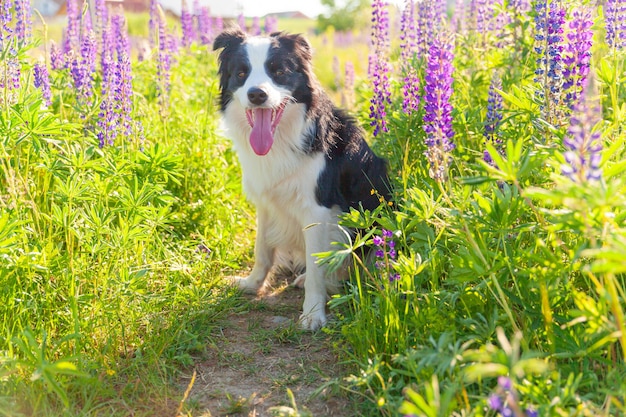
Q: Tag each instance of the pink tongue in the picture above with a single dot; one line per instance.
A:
(261, 138)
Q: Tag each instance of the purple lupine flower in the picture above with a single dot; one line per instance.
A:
(495, 402)
(583, 144)
(71, 41)
(457, 22)
(82, 68)
(153, 23)
(241, 21)
(123, 75)
(87, 24)
(102, 16)
(530, 412)
(337, 72)
(186, 23)
(493, 118)
(549, 22)
(438, 110)
(10, 77)
(205, 25)
(22, 19)
(164, 63)
(519, 7)
(347, 94)
(481, 12)
(379, 67)
(615, 19)
(42, 81)
(429, 17)
(107, 118)
(255, 30)
(56, 57)
(271, 24)
(410, 92)
(577, 54)
(408, 41)
(386, 254)
(218, 24)
(349, 73)
(505, 383)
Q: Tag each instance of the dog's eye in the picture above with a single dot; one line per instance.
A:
(241, 74)
(279, 72)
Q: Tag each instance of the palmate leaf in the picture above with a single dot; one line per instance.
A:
(36, 357)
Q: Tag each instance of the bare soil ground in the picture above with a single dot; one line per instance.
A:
(259, 355)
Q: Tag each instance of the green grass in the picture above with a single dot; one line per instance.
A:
(112, 260)
(103, 282)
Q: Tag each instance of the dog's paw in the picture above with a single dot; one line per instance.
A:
(299, 281)
(246, 285)
(312, 321)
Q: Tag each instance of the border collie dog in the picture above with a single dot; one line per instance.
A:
(304, 161)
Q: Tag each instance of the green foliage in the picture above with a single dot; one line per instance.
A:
(349, 15)
(111, 258)
(512, 248)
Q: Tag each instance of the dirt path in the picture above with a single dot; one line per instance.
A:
(259, 355)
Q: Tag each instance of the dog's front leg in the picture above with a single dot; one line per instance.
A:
(318, 237)
(263, 256)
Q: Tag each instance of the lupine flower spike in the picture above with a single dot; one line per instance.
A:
(583, 143)
(429, 17)
(410, 92)
(615, 18)
(504, 401)
(577, 54)
(42, 81)
(205, 26)
(164, 62)
(549, 21)
(186, 22)
(493, 118)
(408, 41)
(386, 254)
(379, 67)
(438, 110)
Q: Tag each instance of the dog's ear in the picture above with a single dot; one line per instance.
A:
(298, 43)
(304, 46)
(229, 39)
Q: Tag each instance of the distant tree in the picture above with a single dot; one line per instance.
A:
(344, 15)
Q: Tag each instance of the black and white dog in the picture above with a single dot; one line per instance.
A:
(304, 161)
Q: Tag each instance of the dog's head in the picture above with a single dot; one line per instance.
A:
(263, 75)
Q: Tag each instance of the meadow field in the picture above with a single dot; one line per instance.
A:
(499, 285)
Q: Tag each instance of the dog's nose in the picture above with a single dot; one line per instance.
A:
(257, 96)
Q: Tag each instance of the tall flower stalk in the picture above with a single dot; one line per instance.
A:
(271, 24)
(186, 23)
(386, 255)
(577, 54)
(429, 19)
(164, 61)
(410, 92)
(408, 35)
(583, 143)
(379, 67)
(255, 29)
(347, 94)
(71, 36)
(205, 26)
(42, 81)
(438, 110)
(493, 118)
(82, 68)
(615, 19)
(549, 21)
(115, 119)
